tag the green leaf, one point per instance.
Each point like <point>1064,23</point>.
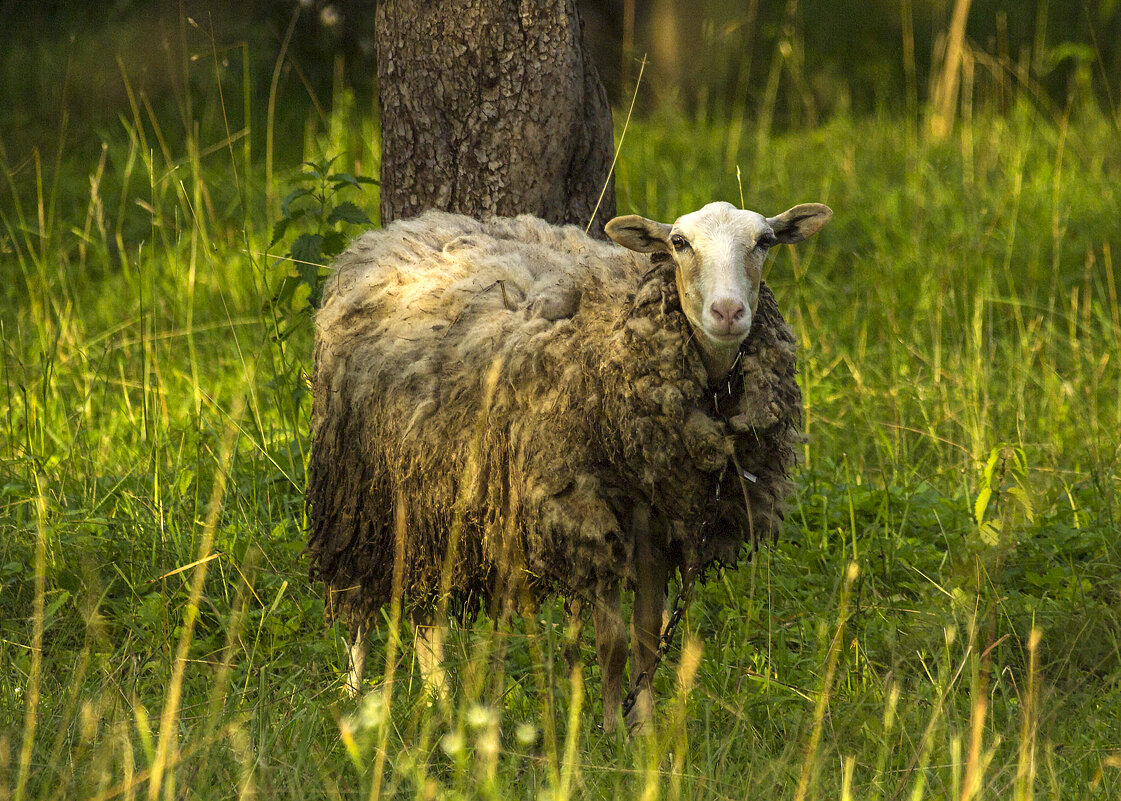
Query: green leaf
<point>295,194</point>
<point>319,168</point>
<point>344,178</point>
<point>1025,502</point>
<point>349,213</point>
<point>1077,52</point>
<point>315,297</point>
<point>52,608</point>
<point>309,274</point>
<point>307,249</point>
<point>990,534</point>
<point>279,230</point>
<point>286,289</point>
<point>334,242</point>
<point>982,504</point>
<point>990,466</point>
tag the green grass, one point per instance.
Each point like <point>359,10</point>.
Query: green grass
<point>959,323</point>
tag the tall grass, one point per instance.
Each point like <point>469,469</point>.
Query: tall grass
<point>942,617</point>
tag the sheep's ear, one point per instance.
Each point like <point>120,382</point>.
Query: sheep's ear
<point>802,221</point>
<point>638,233</point>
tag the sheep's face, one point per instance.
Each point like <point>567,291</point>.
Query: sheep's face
<point>719,253</point>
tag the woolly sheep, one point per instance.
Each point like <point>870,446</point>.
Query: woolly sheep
<point>507,410</point>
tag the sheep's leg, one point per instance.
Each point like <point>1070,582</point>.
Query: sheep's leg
<point>430,658</point>
<point>646,620</point>
<point>574,608</point>
<point>359,647</point>
<point>611,653</point>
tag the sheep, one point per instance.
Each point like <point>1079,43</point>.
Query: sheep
<point>506,410</point>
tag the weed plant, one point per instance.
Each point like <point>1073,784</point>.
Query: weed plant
<point>940,619</point>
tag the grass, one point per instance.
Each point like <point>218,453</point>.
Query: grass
<point>941,619</point>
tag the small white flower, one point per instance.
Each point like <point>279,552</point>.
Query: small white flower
<point>329,16</point>
<point>479,716</point>
<point>372,711</point>
<point>452,743</point>
<point>488,743</point>
<point>526,733</point>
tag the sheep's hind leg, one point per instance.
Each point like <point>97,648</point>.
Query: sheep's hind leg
<point>646,619</point>
<point>574,611</point>
<point>359,647</point>
<point>430,658</point>
<point>611,653</point>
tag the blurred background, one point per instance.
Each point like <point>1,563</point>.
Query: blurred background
<point>294,80</point>
<point>70,64</point>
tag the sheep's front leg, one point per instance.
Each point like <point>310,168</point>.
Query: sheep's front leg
<point>574,610</point>
<point>646,620</point>
<point>611,652</point>
<point>430,658</point>
<point>359,647</point>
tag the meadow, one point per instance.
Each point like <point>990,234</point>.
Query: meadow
<point>940,619</point>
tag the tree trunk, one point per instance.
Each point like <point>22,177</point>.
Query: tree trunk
<point>491,107</point>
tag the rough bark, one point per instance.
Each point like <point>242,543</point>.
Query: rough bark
<point>491,107</point>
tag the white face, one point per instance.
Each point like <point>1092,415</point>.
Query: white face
<point>719,252</point>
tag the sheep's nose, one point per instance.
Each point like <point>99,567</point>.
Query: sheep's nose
<point>728,311</point>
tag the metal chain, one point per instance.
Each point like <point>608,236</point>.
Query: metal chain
<point>680,602</point>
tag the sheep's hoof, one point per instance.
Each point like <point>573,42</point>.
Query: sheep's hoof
<point>640,728</point>
<point>641,714</point>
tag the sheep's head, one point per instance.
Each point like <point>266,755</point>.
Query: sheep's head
<point>719,253</point>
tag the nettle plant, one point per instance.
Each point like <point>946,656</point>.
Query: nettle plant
<point>315,209</point>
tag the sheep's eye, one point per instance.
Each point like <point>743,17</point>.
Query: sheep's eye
<point>679,242</point>
<point>765,241</point>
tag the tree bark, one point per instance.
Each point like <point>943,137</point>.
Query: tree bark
<point>491,108</point>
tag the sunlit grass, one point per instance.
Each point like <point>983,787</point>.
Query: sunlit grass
<point>942,617</point>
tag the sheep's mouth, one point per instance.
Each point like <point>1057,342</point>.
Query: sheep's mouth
<point>728,337</point>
